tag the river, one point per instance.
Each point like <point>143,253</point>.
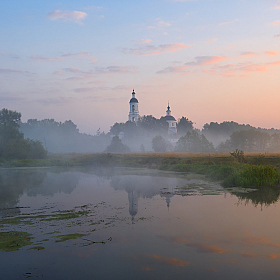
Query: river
<point>125,223</point>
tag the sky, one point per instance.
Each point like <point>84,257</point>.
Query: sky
<point>212,60</point>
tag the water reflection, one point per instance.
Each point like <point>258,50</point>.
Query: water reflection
<point>155,225</point>
<point>262,196</point>
<point>147,187</point>
<point>15,182</point>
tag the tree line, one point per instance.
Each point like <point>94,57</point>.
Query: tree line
<point>13,145</point>
<point>35,138</point>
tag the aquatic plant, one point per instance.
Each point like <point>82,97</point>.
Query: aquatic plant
<point>253,176</point>
<point>14,240</point>
<point>69,236</point>
<point>39,248</point>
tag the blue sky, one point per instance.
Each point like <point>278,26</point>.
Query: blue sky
<point>214,60</point>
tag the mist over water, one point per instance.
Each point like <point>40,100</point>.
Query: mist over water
<point>137,223</point>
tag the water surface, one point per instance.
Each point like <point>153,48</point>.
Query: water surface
<point>137,224</point>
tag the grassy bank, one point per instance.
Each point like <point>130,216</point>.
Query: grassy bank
<point>256,170</point>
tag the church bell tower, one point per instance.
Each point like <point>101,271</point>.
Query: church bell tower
<point>133,112</point>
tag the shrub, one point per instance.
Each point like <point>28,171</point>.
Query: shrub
<point>253,176</point>
<point>239,156</point>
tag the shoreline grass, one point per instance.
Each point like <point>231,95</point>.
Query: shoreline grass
<point>260,169</point>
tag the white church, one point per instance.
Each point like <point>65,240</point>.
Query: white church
<point>133,115</point>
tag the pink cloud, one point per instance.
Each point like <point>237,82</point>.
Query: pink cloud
<point>248,68</point>
<point>229,22</point>
<point>115,69</point>
<point>75,16</point>
<point>58,73</point>
<point>275,23</point>
<point>248,54</point>
<point>64,56</point>
<point>73,69</point>
<point>12,71</point>
<point>160,24</point>
<point>44,58</point>
<point>234,70</point>
<point>271,53</point>
<point>206,60</point>
<point>212,40</point>
<point>154,50</point>
<point>173,69</point>
<point>144,41</point>
<point>81,55</point>
<point>275,63</point>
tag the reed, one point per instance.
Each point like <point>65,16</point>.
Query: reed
<point>259,169</point>
<point>253,176</point>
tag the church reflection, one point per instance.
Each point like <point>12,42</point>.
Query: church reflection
<point>133,204</point>
<point>146,187</point>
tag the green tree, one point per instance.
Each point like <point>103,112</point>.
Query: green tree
<point>184,125</point>
<point>194,142</point>
<point>250,140</point>
<point>225,146</point>
<point>274,143</point>
<point>159,145</point>
<point>117,146</point>
<point>12,142</point>
<point>150,123</point>
<point>9,118</point>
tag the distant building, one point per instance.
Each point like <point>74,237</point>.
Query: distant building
<point>172,124</point>
<point>133,112</point>
<point>133,115</point>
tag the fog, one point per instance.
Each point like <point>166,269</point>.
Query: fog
<point>152,135</point>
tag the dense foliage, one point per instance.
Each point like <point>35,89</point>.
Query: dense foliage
<point>65,137</point>
<point>251,140</point>
<point>117,146</point>
<point>253,176</point>
<point>194,142</point>
<point>149,134</point>
<point>159,144</point>
<point>12,142</point>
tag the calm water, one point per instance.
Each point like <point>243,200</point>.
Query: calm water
<point>140,224</point>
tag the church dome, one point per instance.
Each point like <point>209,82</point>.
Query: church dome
<point>133,100</point>
<point>169,118</point>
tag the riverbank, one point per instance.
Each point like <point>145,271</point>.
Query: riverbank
<point>254,170</point>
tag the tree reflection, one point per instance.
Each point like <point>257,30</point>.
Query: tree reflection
<point>13,183</point>
<point>47,182</point>
<point>263,196</point>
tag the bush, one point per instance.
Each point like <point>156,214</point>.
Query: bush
<point>117,146</point>
<point>253,176</point>
<point>239,156</point>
